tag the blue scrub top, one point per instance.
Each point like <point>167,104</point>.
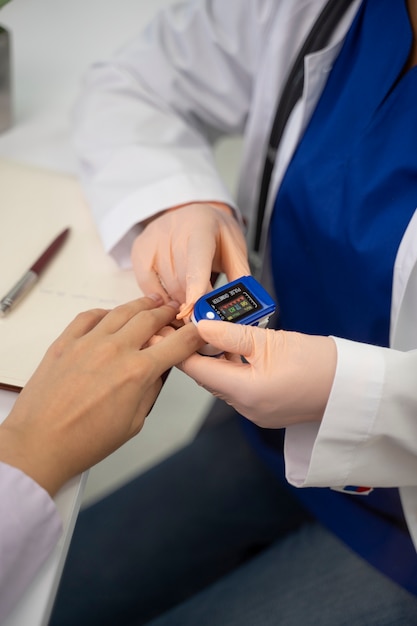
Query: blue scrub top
<point>339,217</point>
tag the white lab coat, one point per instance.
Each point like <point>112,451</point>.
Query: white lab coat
<point>143,129</point>
<point>30,527</point>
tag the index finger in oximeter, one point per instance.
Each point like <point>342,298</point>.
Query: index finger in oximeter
<point>242,301</point>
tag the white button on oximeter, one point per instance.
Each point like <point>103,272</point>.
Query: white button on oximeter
<point>243,301</point>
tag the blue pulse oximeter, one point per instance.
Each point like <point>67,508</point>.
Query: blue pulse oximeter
<point>243,301</point>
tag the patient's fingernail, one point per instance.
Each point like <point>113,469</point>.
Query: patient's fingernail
<point>174,304</point>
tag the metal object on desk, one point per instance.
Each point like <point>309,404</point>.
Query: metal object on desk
<point>32,275</point>
<point>6,113</point>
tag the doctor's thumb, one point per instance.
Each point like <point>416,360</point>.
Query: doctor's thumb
<point>228,337</point>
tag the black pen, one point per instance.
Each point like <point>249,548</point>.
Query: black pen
<point>30,277</point>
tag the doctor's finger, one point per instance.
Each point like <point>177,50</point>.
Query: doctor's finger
<point>149,282</point>
<point>221,377</point>
<point>228,337</point>
<point>143,262</point>
<point>234,254</point>
<point>198,268</point>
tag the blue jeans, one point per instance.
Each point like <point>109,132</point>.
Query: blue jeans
<point>208,537</point>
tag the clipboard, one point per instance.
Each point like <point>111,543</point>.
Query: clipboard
<point>36,205</point>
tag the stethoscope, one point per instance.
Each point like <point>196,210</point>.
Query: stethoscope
<point>317,39</point>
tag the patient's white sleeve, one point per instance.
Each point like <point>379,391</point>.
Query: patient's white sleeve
<point>30,527</point>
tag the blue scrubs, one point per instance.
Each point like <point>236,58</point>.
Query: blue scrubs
<point>339,217</point>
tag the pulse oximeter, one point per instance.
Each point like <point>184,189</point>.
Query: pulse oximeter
<point>242,301</point>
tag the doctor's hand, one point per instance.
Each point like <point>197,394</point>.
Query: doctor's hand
<point>92,390</point>
<point>286,380</point>
<point>178,250</point>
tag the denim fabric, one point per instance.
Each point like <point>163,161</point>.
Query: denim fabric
<point>308,578</point>
<point>209,537</point>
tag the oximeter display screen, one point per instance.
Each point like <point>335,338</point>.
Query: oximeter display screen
<point>233,303</point>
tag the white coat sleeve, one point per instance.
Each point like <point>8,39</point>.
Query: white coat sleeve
<point>29,529</point>
<point>368,435</point>
<point>145,121</point>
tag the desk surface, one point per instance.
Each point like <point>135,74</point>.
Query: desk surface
<point>53,43</point>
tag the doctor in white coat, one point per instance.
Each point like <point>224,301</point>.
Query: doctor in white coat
<point>145,123</point>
